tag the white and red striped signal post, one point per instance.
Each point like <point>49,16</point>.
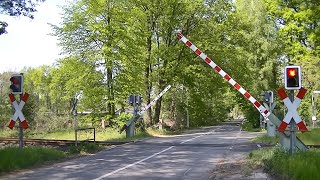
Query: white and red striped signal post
<point>263,111</point>
<point>18,112</point>
<point>17,88</point>
<point>292,110</point>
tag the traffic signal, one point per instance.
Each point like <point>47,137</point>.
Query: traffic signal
<point>138,99</point>
<point>268,97</point>
<point>16,83</point>
<point>135,99</point>
<point>131,99</point>
<point>292,77</point>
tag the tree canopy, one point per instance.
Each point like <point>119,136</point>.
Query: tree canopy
<point>17,8</point>
<point>116,48</point>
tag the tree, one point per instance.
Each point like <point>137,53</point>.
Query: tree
<point>17,8</point>
<point>298,31</point>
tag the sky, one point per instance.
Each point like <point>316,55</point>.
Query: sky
<point>28,43</point>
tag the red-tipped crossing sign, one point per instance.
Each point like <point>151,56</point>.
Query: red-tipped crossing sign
<point>18,112</point>
<point>292,110</point>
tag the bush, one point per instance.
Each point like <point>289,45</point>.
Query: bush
<point>122,119</point>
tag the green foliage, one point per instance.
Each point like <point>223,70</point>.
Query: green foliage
<point>6,109</point>
<point>12,158</point>
<point>17,8</point>
<point>122,119</point>
<point>116,48</point>
<point>298,33</point>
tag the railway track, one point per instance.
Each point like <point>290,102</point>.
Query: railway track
<point>50,142</point>
<point>4,141</point>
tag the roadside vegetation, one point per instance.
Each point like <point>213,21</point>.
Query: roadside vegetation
<point>281,165</point>
<point>267,140</point>
<point>107,134</point>
<point>311,137</point>
<point>13,158</point>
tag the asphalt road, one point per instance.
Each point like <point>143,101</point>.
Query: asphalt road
<point>188,156</point>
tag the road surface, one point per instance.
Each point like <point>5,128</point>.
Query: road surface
<point>188,156</point>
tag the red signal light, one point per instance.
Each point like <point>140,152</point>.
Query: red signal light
<point>292,77</point>
<point>292,72</point>
<point>14,80</point>
<point>16,83</point>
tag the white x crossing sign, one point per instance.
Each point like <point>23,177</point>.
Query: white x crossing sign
<point>18,112</point>
<point>292,110</point>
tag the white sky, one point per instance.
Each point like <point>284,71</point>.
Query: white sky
<point>28,43</point>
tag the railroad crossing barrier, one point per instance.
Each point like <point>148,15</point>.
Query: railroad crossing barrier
<point>129,126</point>
<point>263,111</point>
<point>271,128</point>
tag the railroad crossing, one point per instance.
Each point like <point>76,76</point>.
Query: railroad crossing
<point>292,82</point>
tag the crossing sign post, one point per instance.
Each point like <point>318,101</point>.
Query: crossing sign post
<point>292,78</point>
<point>17,88</point>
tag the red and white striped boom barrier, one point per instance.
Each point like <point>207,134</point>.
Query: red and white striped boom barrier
<point>139,114</point>
<point>155,99</point>
<point>18,112</point>
<point>149,105</point>
<point>265,113</point>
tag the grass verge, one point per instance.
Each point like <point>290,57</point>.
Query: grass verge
<point>266,140</point>
<point>107,134</point>
<point>12,158</point>
<point>311,137</point>
<point>281,165</point>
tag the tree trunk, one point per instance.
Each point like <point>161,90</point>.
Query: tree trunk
<point>157,111</point>
<point>110,104</point>
<point>148,69</point>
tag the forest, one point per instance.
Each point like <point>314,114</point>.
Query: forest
<point>116,48</point>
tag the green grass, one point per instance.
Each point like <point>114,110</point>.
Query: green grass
<point>266,140</point>
<point>57,135</point>
<point>107,134</point>
<point>311,137</point>
<point>279,163</point>
<point>84,148</point>
<point>8,133</point>
<point>13,158</point>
